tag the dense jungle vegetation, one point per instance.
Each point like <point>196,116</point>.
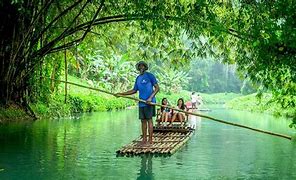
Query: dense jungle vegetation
<point>232,46</point>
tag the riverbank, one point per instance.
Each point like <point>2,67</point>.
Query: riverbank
<point>13,113</point>
<point>264,105</point>
<point>254,104</point>
<point>97,102</point>
<point>90,101</point>
<point>82,100</point>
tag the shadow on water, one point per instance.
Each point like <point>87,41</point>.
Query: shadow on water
<point>145,171</point>
<point>194,121</point>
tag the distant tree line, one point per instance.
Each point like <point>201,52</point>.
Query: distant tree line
<point>211,76</point>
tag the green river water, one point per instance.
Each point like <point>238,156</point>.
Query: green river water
<point>84,148</point>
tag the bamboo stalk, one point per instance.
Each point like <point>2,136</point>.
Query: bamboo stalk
<point>66,74</point>
<point>191,113</point>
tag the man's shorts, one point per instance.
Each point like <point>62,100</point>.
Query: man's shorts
<point>146,112</point>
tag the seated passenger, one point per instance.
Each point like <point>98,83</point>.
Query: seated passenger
<point>165,111</point>
<point>180,115</point>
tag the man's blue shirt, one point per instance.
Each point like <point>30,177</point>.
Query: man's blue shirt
<point>144,84</point>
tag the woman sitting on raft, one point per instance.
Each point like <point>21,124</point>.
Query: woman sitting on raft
<point>165,111</point>
<point>180,115</point>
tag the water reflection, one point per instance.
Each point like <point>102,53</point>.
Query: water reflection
<point>194,121</point>
<point>85,149</point>
<point>145,171</point>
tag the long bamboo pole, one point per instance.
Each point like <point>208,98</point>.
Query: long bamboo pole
<point>191,113</point>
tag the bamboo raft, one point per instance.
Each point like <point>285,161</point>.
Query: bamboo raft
<point>166,141</point>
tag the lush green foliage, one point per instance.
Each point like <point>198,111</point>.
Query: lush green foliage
<point>265,47</point>
<point>257,36</point>
<point>171,80</point>
<point>78,103</point>
<point>78,100</point>
<point>212,76</point>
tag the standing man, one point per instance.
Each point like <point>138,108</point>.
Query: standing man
<point>193,100</point>
<point>147,86</point>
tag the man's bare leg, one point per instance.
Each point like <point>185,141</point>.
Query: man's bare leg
<point>150,128</point>
<point>144,131</point>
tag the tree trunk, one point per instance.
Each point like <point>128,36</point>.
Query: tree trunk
<point>13,82</point>
<point>8,90</point>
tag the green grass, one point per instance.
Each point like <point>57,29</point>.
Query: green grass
<point>265,104</point>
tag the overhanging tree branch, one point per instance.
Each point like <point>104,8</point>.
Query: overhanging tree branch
<point>94,18</point>
<point>67,45</point>
<point>35,40</point>
<point>45,49</point>
<point>31,27</point>
<point>51,44</point>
